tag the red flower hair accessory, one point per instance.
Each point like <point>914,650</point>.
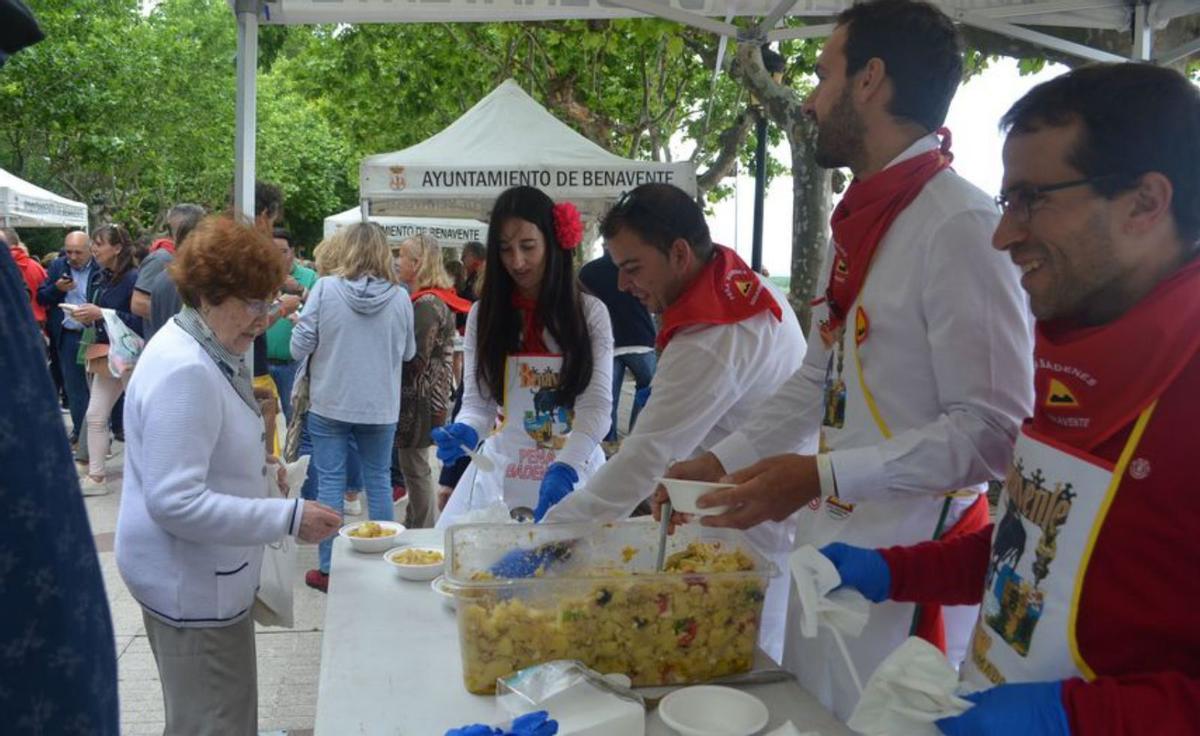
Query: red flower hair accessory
<point>568,226</point>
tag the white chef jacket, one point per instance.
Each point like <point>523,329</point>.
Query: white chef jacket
<point>948,358</point>
<point>710,380</point>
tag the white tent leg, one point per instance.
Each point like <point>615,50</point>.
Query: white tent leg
<point>365,207</point>
<point>247,112</point>
<point>1143,32</point>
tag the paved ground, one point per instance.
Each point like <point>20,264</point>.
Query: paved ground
<point>289,660</point>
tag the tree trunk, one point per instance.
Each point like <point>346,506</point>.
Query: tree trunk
<point>811,203</point>
<point>810,183</point>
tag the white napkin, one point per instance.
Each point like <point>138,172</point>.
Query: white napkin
<point>296,473</point>
<point>789,729</point>
<point>912,688</point>
<point>845,610</point>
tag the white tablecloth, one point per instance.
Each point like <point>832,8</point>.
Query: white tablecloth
<point>390,663</point>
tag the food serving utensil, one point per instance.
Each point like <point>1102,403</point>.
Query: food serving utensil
<point>480,461</point>
<point>663,525</point>
<point>521,514</point>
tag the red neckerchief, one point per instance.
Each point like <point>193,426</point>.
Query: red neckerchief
<point>531,334</point>
<point>725,292</point>
<point>163,244</point>
<point>452,300</point>
<point>1090,382</point>
<point>864,216</point>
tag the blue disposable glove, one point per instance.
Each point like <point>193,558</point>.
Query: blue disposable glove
<point>524,563</point>
<point>1025,708</point>
<point>559,480</point>
<point>865,570</point>
<point>450,440</point>
<point>537,723</point>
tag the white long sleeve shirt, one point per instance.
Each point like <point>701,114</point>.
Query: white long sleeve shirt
<point>710,380</point>
<point>947,357</point>
<point>593,407</point>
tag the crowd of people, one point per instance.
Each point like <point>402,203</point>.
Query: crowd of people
<point>924,377</point>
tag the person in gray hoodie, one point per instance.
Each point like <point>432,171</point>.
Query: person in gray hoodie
<point>358,327</point>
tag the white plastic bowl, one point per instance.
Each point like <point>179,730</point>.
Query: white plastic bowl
<point>712,710</point>
<point>373,545</point>
<point>684,493</point>
<point>415,572</point>
<point>439,586</point>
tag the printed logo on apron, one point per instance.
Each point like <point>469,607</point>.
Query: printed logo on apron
<point>1052,507</point>
<point>531,397</point>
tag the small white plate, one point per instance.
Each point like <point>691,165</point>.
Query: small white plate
<point>438,585</point>
<point>712,710</point>
<point>684,493</point>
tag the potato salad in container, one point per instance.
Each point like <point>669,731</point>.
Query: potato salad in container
<point>533,593</point>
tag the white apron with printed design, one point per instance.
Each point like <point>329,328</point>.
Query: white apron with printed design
<point>818,663</point>
<point>1050,512</point>
<point>533,429</point>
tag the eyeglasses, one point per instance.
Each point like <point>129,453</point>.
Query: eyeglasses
<point>1022,201</point>
<point>257,307</point>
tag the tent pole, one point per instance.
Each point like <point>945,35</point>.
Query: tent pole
<point>364,206</point>
<point>246,111</point>
<point>1143,32</point>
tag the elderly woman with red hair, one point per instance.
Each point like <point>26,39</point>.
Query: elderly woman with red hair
<point>195,515</point>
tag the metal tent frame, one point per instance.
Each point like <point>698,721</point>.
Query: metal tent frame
<point>1019,19</point>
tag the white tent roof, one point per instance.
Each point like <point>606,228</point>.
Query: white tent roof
<point>1113,14</point>
<point>505,140</point>
<point>449,232</point>
<point>25,205</point>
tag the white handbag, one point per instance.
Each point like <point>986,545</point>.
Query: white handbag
<point>273,600</point>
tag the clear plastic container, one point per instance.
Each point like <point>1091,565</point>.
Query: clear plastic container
<point>599,599</point>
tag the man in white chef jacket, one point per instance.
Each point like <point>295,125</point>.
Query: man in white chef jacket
<point>921,374</point>
<point>729,340</point>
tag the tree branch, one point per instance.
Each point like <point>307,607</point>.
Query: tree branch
<point>729,143</point>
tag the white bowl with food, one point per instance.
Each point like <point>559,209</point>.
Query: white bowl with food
<point>416,562</point>
<point>712,710</point>
<point>684,494</point>
<point>372,537</point>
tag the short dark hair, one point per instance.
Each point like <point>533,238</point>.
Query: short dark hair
<point>475,249</point>
<point>660,214</point>
<point>182,219</point>
<point>1135,118</point>
<point>267,198</point>
<point>920,49</point>
<point>281,233</point>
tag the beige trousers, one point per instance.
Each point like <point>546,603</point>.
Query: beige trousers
<point>209,677</point>
<point>421,486</point>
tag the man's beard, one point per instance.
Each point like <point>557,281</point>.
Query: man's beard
<point>840,136</point>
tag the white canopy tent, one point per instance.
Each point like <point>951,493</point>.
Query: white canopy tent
<point>25,205</point>
<point>506,139</point>
<point>1027,20</point>
<point>449,232</point>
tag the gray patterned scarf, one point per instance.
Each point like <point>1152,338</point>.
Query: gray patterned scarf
<point>233,367</point>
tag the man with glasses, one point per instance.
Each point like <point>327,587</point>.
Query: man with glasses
<point>728,339</point>
<point>1088,581</point>
<point>921,376</point>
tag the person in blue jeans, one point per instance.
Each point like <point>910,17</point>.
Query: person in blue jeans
<point>354,476</point>
<point>633,335</point>
<point>358,327</point>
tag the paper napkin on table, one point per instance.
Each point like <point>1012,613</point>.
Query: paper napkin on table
<point>912,688</point>
<point>789,729</point>
<point>820,605</point>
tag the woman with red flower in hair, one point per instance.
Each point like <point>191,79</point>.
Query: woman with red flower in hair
<point>538,365</point>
